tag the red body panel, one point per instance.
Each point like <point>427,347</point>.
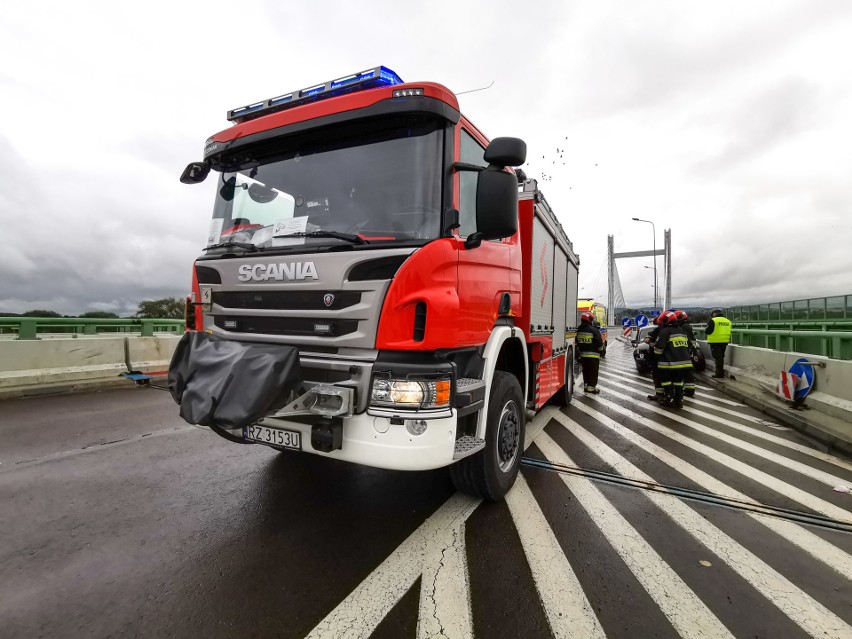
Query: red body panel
<point>330,106</point>
<point>429,276</point>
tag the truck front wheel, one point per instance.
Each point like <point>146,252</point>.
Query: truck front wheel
<point>491,472</point>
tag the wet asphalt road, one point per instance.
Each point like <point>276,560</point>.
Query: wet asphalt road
<point>118,519</point>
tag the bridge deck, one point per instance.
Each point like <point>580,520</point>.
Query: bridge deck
<point>627,520</point>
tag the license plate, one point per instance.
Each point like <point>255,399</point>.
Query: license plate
<point>275,436</point>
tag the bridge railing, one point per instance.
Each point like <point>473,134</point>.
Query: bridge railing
<point>837,307</point>
<point>829,339</point>
<point>31,327</point>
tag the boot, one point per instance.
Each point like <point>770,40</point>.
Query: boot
<point>678,397</point>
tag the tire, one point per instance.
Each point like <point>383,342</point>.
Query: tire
<point>490,473</point>
<point>564,395</point>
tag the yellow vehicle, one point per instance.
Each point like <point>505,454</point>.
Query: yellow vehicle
<point>599,311</point>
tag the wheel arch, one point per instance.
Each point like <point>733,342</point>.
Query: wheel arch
<point>505,350</point>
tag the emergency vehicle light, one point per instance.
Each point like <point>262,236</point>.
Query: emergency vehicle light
<point>369,79</point>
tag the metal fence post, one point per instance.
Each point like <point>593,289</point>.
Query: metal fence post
<point>27,328</point>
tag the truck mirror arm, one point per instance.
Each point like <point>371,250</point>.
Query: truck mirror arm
<point>465,166</point>
<point>473,240</point>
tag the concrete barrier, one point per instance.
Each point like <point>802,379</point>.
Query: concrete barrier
<point>63,363</point>
<point>756,372</point>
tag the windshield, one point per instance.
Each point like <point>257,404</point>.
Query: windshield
<point>361,184</point>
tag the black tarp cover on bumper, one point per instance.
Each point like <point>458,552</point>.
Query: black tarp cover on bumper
<point>227,384</point>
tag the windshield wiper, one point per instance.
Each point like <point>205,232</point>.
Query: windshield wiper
<point>348,237</point>
<point>248,246</point>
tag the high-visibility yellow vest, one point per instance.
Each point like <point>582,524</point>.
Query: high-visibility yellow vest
<point>721,331</point>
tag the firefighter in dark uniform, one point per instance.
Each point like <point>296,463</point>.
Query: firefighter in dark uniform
<point>689,374</point>
<point>650,338</point>
<point>718,336</point>
<point>672,351</point>
<point>589,347</point>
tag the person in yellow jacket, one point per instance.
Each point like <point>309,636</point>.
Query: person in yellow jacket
<point>718,336</point>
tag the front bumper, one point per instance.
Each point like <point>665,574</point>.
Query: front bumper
<point>375,441</point>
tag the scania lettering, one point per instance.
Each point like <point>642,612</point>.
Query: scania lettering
<point>381,285</point>
<point>291,271</point>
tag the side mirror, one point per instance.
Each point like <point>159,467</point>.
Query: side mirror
<point>506,152</point>
<point>496,204</point>
<point>195,173</point>
<point>497,190</point>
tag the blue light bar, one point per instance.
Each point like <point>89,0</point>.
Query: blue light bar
<point>369,79</point>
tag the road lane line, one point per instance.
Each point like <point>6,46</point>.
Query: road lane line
<point>797,535</point>
<point>803,609</point>
<point>368,604</point>
<point>649,382</point>
<point>568,610</point>
<point>803,469</point>
<point>681,606</point>
<point>782,488</point>
<point>445,609</point>
<point>364,608</point>
<point>749,430</point>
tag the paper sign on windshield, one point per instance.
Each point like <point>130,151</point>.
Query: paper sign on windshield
<point>287,227</point>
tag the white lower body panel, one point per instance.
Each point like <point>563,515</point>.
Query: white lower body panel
<point>374,441</point>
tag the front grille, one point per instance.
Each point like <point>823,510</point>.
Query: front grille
<point>285,325</point>
<point>287,300</point>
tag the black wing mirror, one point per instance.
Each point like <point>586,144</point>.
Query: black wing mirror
<point>195,173</point>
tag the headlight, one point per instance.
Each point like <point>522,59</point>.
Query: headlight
<point>407,394</point>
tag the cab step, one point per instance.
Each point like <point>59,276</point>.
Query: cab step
<point>467,445</point>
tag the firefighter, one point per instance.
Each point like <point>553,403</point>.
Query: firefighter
<point>689,374</point>
<point>589,347</point>
<point>718,336</point>
<point>655,375</point>
<point>672,351</point>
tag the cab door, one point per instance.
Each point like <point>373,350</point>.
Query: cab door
<point>489,270</point>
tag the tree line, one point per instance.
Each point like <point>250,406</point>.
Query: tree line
<point>164,308</point>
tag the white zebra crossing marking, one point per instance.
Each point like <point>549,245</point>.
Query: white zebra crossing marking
<point>569,612</point>
<point>681,606</point>
<point>363,609</point>
<point>805,611</point>
<point>816,454</point>
<point>799,536</point>
<point>802,497</point>
<point>814,473</point>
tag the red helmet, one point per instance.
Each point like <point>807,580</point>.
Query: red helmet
<point>587,317</point>
<point>667,318</point>
<point>681,316</point>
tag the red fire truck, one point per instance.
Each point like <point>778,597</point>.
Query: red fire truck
<point>379,285</point>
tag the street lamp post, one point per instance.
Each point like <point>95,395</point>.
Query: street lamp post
<point>654,231</point>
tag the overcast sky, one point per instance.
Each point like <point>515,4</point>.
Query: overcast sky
<point>728,122</point>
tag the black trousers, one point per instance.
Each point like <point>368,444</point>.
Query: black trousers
<point>672,381</point>
<point>590,370</point>
<point>718,352</point>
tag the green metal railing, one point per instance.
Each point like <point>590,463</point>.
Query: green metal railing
<point>30,327</point>
<point>812,338</point>
<point>837,307</point>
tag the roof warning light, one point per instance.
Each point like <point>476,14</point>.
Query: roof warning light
<point>369,79</point>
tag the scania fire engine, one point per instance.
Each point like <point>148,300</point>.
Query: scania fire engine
<point>380,285</point>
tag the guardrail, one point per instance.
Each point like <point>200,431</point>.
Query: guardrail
<point>836,307</point>
<point>834,344</point>
<point>30,327</point>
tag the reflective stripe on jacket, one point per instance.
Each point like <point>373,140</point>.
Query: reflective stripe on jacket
<point>672,348</point>
<point>589,341</point>
<point>719,330</point>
